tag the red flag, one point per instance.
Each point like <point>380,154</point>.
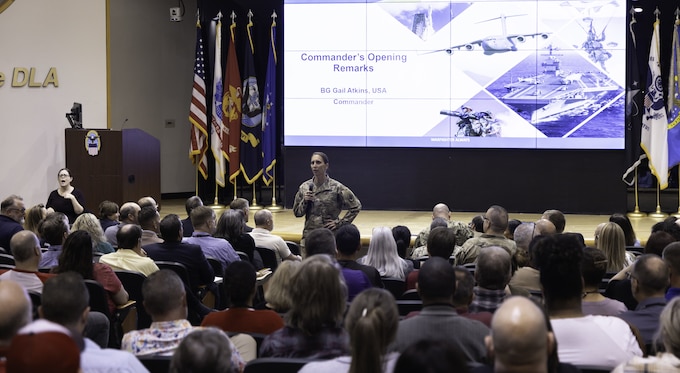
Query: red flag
<point>231,105</point>
<point>197,110</point>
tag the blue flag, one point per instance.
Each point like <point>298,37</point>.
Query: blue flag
<point>269,115</point>
<point>674,101</point>
<point>251,119</point>
<point>633,106</point>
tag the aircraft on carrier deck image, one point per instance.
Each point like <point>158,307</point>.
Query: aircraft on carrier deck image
<point>496,43</point>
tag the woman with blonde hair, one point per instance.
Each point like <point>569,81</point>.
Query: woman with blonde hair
<point>382,255</point>
<point>612,241</point>
<point>34,216</point>
<point>371,322</point>
<point>313,325</point>
<point>277,294</point>
<point>89,223</point>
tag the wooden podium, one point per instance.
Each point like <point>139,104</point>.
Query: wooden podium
<point>126,166</point>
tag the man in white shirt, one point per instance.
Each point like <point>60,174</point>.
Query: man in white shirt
<point>264,224</point>
<point>27,255</point>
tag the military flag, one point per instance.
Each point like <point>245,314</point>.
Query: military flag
<point>633,106</point>
<point>217,125</point>
<point>197,110</point>
<point>269,113</point>
<point>251,119</point>
<point>231,105</point>
<point>654,133</point>
<point>674,99</point>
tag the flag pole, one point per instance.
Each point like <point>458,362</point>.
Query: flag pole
<point>274,206</point>
<point>234,189</point>
<point>254,205</point>
<point>658,213</point>
<point>216,202</point>
<point>637,213</point>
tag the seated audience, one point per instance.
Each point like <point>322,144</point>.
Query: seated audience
<point>203,220</point>
<point>149,220</point>
<point>440,243</point>
<point>520,340</point>
<point>204,351</point>
<point>460,229</point>
<point>493,272</point>
<point>649,281</point>
<point>27,254</point>
<point>12,213</point>
<point>34,217</point>
<point>527,276</point>
<point>148,201</point>
<point>421,251</point>
<point>657,241</point>
<point>438,318</point>
<point>165,301</point>
<point>263,237</point>
<point>14,314</point>
<point>612,241</point>
<point>54,231</point>
<point>477,225</point>
<point>382,255</point>
<point>322,241</point>
<point>191,203</point>
<point>65,308</point>
<point>109,213</point>
<point>512,225</point>
<point>277,296</point>
<point>669,334</point>
<point>402,236</point>
<point>313,324</point>
<point>130,256</point>
<point>432,356</point>
<point>495,224</point>
<point>545,227</point>
<point>585,340</point>
<point>371,322</point>
<point>593,268</point>
<point>240,287</point>
<point>231,227</point>
<point>629,233</point>
<point>348,242</point>
<point>90,224</point>
<point>77,256</point>
<point>671,255</point>
<point>243,205</point>
<point>464,295</point>
<point>129,214</point>
<point>557,218</point>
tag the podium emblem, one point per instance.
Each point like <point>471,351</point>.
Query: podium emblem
<point>92,143</point>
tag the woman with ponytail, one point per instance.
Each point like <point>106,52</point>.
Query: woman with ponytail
<point>371,322</point>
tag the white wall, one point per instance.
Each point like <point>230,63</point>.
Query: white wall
<point>70,36</point>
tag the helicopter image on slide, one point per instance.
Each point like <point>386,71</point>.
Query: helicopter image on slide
<point>496,43</point>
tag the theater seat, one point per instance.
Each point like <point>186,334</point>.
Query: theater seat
<point>276,364</point>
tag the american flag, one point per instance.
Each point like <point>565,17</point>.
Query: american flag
<point>197,110</point>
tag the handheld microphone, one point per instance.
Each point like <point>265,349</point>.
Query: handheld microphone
<point>123,125</point>
<point>309,203</point>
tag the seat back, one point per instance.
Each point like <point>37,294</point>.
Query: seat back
<point>268,258</point>
<point>243,256</point>
<point>293,247</point>
<point>156,363</point>
<point>407,306</point>
<point>179,268</point>
<point>7,259</point>
<point>132,282</point>
<point>216,265</point>
<point>410,295</point>
<point>36,300</point>
<point>98,298</point>
<point>395,286</point>
<point>276,364</point>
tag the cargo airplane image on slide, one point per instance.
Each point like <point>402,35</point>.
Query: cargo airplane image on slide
<point>496,43</point>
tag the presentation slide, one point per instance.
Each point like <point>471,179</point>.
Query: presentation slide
<point>481,74</point>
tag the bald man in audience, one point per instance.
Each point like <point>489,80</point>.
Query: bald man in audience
<point>649,280</point>
<point>519,339</point>
<point>129,214</point>
<point>130,256</point>
<point>557,218</point>
<point>263,237</point>
<point>495,224</point>
<point>545,227</point>
<point>15,313</point>
<point>461,229</point>
<point>671,255</point>
<point>147,201</point>
<point>26,248</point>
<point>494,268</point>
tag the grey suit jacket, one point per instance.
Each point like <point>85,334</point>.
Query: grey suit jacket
<point>442,322</point>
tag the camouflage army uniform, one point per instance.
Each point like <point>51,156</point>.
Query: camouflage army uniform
<point>463,233</point>
<point>330,199</point>
<point>470,250</point>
